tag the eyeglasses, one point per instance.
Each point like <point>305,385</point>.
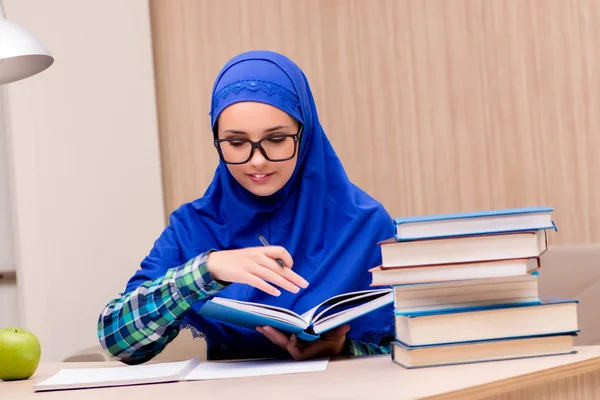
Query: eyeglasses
<point>275,148</point>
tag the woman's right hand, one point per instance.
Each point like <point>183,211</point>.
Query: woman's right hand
<point>256,266</point>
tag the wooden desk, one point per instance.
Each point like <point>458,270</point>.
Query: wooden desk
<point>574,376</point>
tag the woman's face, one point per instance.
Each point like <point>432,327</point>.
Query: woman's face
<point>254,121</point>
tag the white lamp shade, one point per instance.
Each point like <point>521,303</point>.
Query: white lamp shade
<point>21,54</point>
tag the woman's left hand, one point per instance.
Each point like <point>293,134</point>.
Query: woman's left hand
<point>330,343</point>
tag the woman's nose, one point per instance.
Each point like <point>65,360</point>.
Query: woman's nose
<point>257,159</point>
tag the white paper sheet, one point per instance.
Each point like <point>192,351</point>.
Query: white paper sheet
<point>238,369</point>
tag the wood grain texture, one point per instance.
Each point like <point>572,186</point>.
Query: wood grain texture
<point>433,106</point>
<point>355,378</point>
<point>579,387</point>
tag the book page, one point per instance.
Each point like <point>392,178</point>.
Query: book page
<point>338,299</point>
<point>239,369</point>
<point>337,319</point>
<point>349,303</point>
<point>116,376</point>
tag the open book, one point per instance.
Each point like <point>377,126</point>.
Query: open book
<point>190,370</point>
<point>330,314</point>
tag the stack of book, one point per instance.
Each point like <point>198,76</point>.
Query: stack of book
<point>465,289</point>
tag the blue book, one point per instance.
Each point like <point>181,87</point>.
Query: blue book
<point>551,315</point>
<point>308,326</point>
<point>501,349</point>
<point>473,223</point>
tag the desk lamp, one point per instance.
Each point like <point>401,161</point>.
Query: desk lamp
<point>21,54</point>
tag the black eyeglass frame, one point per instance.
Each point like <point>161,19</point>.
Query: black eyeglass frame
<point>258,145</point>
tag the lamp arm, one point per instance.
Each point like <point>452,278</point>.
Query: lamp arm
<point>2,13</point>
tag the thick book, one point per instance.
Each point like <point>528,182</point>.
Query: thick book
<point>474,223</point>
<point>190,370</point>
<point>481,351</point>
<point>308,326</point>
<point>413,298</point>
<point>551,315</point>
<point>463,249</point>
<point>452,272</point>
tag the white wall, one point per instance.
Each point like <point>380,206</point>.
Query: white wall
<point>9,313</point>
<point>85,165</point>
<point>6,231</point>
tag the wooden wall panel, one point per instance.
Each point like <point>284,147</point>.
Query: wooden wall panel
<point>433,106</point>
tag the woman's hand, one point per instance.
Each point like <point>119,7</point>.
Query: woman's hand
<point>330,343</point>
<point>256,266</point>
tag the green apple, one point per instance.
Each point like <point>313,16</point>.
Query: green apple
<point>20,353</point>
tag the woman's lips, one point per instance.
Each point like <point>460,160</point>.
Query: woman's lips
<point>260,178</point>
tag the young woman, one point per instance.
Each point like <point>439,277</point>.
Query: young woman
<point>278,176</point>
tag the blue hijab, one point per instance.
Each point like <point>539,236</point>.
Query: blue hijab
<point>329,226</point>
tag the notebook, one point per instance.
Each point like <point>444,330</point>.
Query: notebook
<point>190,370</point>
<point>469,223</point>
<point>75,378</point>
<point>325,316</point>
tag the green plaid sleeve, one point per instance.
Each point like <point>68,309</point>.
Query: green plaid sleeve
<point>138,325</point>
<point>357,348</point>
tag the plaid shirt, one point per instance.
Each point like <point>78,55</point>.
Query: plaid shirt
<point>138,325</point>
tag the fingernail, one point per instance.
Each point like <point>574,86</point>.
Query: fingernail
<point>276,293</point>
<point>304,284</point>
